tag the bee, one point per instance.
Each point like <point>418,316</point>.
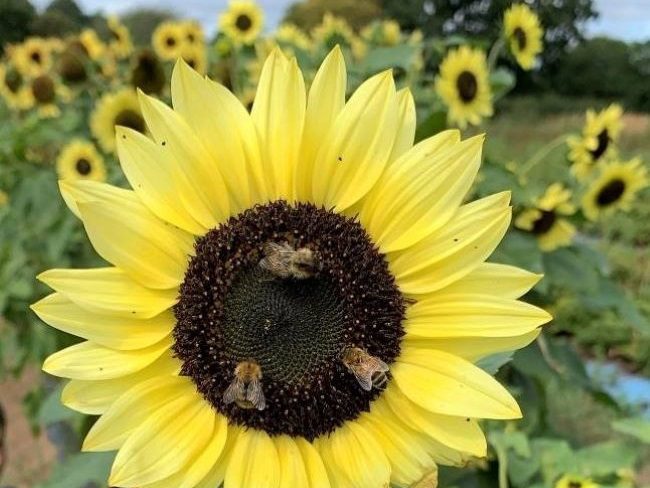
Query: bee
<point>284,261</point>
<point>368,370</point>
<point>246,387</point>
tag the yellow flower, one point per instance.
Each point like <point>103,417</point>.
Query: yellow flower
<point>120,41</point>
<point>290,34</point>
<point>523,33</point>
<point>32,57</point>
<point>147,72</point>
<point>4,198</point>
<point>598,141</point>
<point>193,32</point>
<point>14,88</point>
<point>333,31</point>
<point>242,22</point>
<point>387,33</point>
<point>464,86</point>
<point>93,45</point>
<point>545,220</point>
<point>113,109</point>
<point>48,94</point>
<point>244,330</point>
<point>614,188</point>
<point>79,160</point>
<point>573,481</point>
<point>195,56</point>
<point>168,40</point>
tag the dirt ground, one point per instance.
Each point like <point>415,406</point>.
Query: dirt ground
<point>27,458</point>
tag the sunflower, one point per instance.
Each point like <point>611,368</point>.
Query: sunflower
<point>294,36</point>
<point>14,88</point>
<point>523,33</point>
<point>195,56</point>
<point>168,40</point>
<point>614,188</point>
<point>545,220</point>
<point>113,109</point>
<point>387,32</point>
<point>573,481</point>
<point>251,330</point>
<point>72,64</point>
<point>120,38</point>
<point>48,93</point>
<point>79,160</point>
<point>598,141</point>
<point>464,86</point>
<point>33,57</point>
<point>243,21</point>
<point>192,32</point>
<point>333,31</point>
<point>92,44</point>
<point>147,72</point>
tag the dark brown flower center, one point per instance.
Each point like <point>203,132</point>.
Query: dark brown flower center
<point>83,167</point>
<point>544,223</point>
<point>467,86</point>
<point>610,193</point>
<point>148,73</point>
<point>170,41</point>
<point>13,80</point>
<point>575,484</point>
<point>72,65</point>
<point>603,144</point>
<point>131,119</point>
<point>243,22</point>
<point>520,37</point>
<point>43,89</point>
<point>36,57</point>
<point>292,323</point>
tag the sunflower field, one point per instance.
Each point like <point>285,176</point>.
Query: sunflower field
<point>339,253</point>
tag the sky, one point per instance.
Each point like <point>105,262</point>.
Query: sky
<point>622,19</point>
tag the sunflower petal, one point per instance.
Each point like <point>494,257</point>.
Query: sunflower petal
<point>253,444</point>
<point>88,361</point>
<point>109,331</point>
<point>447,384</point>
<point>316,472</point>
<point>356,153</point>
<point>279,115</point>
<point>108,291</point>
<point>407,122</point>
<point>325,102</point>
<point>292,467</point>
<point>217,474</point>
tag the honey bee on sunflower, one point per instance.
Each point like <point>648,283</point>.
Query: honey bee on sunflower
<point>242,22</point>
<point>614,188</point>
<point>249,331</point>
<point>463,85</point>
<point>545,219</point>
<point>120,108</point>
<point>80,160</point>
<point>523,34</point>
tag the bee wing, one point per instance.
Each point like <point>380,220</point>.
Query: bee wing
<point>363,376</point>
<point>235,391</point>
<point>255,395</point>
<point>376,365</point>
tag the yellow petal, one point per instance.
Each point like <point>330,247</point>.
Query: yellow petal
<point>217,474</point>
<point>292,467</point>
<point>406,125</point>
<point>164,444</point>
<point>156,179</point>
<point>88,361</point>
<point>109,291</point>
<point>254,462</point>
<point>447,384</point>
<point>495,279</point>
<point>458,248</point>
<point>279,115</point>
<point>95,397</point>
<point>353,458</point>
<point>464,315</point>
<point>215,115</point>
<point>353,157</point>
<point>417,196</point>
<point>209,200</point>
<point>460,433</point>
<point>316,472</point>
<point>127,234</point>
<point>106,330</point>
<point>325,102</point>
<point>135,406</point>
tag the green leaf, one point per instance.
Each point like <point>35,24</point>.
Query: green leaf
<point>606,458</point>
<point>80,469</point>
<point>382,58</point>
<point>434,123</point>
<point>638,427</point>
<point>493,363</point>
<point>502,81</point>
<point>52,410</point>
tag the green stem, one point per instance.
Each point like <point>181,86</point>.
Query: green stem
<point>502,456</point>
<point>539,156</point>
<point>495,50</point>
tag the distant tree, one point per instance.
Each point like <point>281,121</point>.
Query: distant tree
<point>16,17</point>
<point>53,24</point>
<point>70,9</point>
<point>143,21</point>
<point>307,14</point>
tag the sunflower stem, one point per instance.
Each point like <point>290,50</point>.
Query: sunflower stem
<point>548,357</point>
<point>539,156</point>
<point>495,51</point>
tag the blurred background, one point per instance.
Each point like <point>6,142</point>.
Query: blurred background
<point>555,129</point>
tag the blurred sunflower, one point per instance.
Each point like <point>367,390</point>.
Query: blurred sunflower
<point>192,32</point>
<point>600,135</point>
<point>48,93</point>
<point>614,188</point>
<point>333,31</point>
<point>386,32</point>
<point>92,44</point>
<point>243,21</point>
<point>147,72</point>
<point>195,56</point>
<point>573,481</point>
<point>294,36</point>
<point>545,221</point>
<point>464,86</point>
<point>113,109</point>
<point>523,33</point>
<point>79,160</point>
<point>4,198</point>
<point>14,89</point>
<point>72,64</point>
<point>168,40</point>
<point>32,57</point>
<point>120,38</point>
<point>237,220</point>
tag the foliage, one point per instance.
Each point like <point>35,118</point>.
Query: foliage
<point>16,17</point>
<point>141,22</point>
<point>309,13</point>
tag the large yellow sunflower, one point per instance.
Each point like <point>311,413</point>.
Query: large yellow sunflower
<point>597,142</point>
<point>544,220</point>
<point>464,86</point>
<point>250,329</point>
<point>119,108</point>
<point>14,88</point>
<point>93,45</point>
<point>614,188</point>
<point>168,39</point>
<point>120,38</point>
<point>523,33</point>
<point>79,160</point>
<point>243,21</point>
